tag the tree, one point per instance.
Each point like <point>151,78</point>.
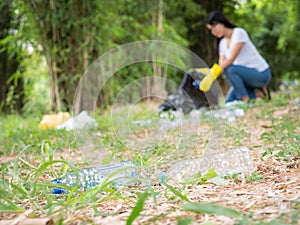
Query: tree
<point>68,33</point>
<point>274,29</point>
<point>74,33</point>
<point>200,40</point>
<point>11,84</point>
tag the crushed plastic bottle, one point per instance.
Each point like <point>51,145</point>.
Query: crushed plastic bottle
<point>121,173</point>
<point>231,161</point>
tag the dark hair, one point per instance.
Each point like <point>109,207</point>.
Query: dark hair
<point>216,16</point>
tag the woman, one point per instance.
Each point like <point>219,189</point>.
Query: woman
<point>245,69</point>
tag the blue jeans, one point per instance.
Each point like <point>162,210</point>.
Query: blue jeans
<point>243,81</point>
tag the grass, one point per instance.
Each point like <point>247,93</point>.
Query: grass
<point>31,158</point>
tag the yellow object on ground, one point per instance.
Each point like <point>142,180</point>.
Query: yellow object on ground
<point>51,121</point>
<point>210,77</point>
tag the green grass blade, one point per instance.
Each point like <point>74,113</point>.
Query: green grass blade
<point>185,221</point>
<point>44,166</point>
<point>10,207</point>
<point>138,208</point>
<point>20,189</point>
<point>176,192</point>
<point>209,208</point>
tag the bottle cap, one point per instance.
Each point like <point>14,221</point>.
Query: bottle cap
<point>58,191</point>
<point>162,176</point>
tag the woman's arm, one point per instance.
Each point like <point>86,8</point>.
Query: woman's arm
<point>223,62</point>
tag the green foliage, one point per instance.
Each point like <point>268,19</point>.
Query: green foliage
<point>36,86</point>
<point>209,208</point>
<point>285,137</point>
<point>11,56</point>
<point>138,208</point>
<point>255,177</point>
<point>176,192</point>
<point>23,132</point>
<point>72,34</point>
<point>202,178</point>
<point>69,50</point>
<point>7,205</point>
<point>284,133</point>
<point>276,35</point>
<point>185,221</point>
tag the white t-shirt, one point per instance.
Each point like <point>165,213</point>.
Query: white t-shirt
<point>248,55</point>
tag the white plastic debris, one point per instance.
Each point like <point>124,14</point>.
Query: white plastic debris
<point>236,103</point>
<point>80,121</point>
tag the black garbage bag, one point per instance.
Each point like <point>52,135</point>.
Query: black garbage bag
<point>187,97</point>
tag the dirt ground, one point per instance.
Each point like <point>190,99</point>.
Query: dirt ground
<point>276,193</point>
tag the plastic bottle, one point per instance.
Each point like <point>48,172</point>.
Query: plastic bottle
<point>297,102</point>
<point>231,161</point>
<point>121,173</point>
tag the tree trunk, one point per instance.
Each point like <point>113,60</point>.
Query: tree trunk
<point>158,88</point>
<point>205,45</point>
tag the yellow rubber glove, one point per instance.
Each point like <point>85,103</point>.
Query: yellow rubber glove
<point>210,77</point>
<point>202,70</point>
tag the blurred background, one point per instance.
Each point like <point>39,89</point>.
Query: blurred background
<point>46,45</point>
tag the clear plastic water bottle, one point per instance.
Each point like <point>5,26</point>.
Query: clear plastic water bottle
<point>231,161</point>
<point>120,174</point>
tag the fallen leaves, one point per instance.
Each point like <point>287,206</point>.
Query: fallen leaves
<point>23,219</point>
<point>276,193</point>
